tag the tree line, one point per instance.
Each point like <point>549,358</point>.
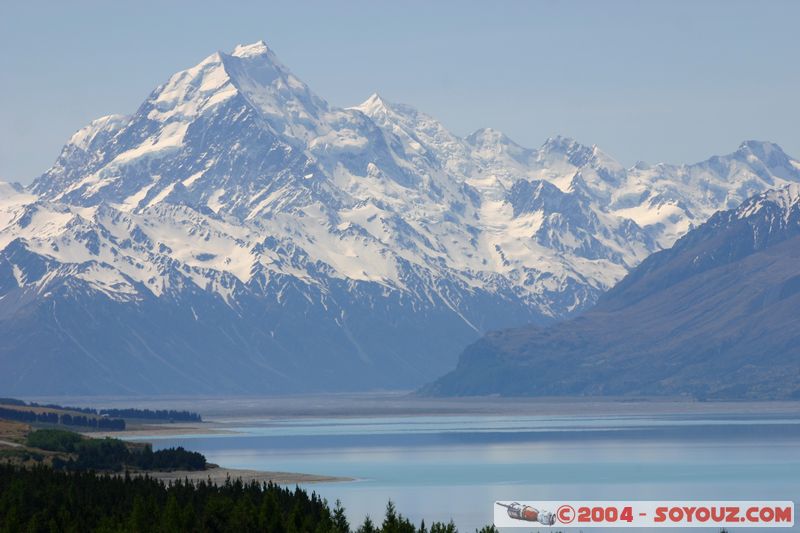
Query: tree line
<point>111,454</point>
<point>43,499</point>
<point>153,414</point>
<point>113,424</point>
<point>128,412</point>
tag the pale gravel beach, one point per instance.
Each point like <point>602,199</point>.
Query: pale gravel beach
<point>219,475</point>
<point>204,428</point>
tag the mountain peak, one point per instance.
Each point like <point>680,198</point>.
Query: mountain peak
<point>759,146</point>
<point>255,72</point>
<point>378,108</point>
<point>488,135</point>
<point>373,105</point>
<point>258,48</point>
<point>766,151</point>
<point>255,60</point>
<point>561,144</point>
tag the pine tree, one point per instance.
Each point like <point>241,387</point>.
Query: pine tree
<point>367,527</point>
<point>340,522</point>
<point>390,520</point>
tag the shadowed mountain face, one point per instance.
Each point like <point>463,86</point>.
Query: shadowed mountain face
<point>237,233</point>
<point>715,316</point>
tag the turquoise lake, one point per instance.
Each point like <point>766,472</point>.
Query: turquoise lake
<point>455,467</point>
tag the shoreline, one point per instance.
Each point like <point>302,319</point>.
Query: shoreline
<point>142,432</point>
<point>219,474</point>
<point>214,473</point>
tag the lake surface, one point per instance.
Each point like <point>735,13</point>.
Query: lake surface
<point>455,467</point>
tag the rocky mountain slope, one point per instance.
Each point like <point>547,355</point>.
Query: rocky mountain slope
<point>238,233</point>
<point>715,316</point>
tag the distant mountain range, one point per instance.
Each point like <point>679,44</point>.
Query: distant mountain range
<point>239,234</point>
<point>715,316</point>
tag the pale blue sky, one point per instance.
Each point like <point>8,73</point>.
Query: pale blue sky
<point>658,81</point>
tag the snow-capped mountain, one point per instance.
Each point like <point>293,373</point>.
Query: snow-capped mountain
<point>715,316</point>
<point>245,234</point>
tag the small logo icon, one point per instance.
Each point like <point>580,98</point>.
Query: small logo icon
<point>527,513</point>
